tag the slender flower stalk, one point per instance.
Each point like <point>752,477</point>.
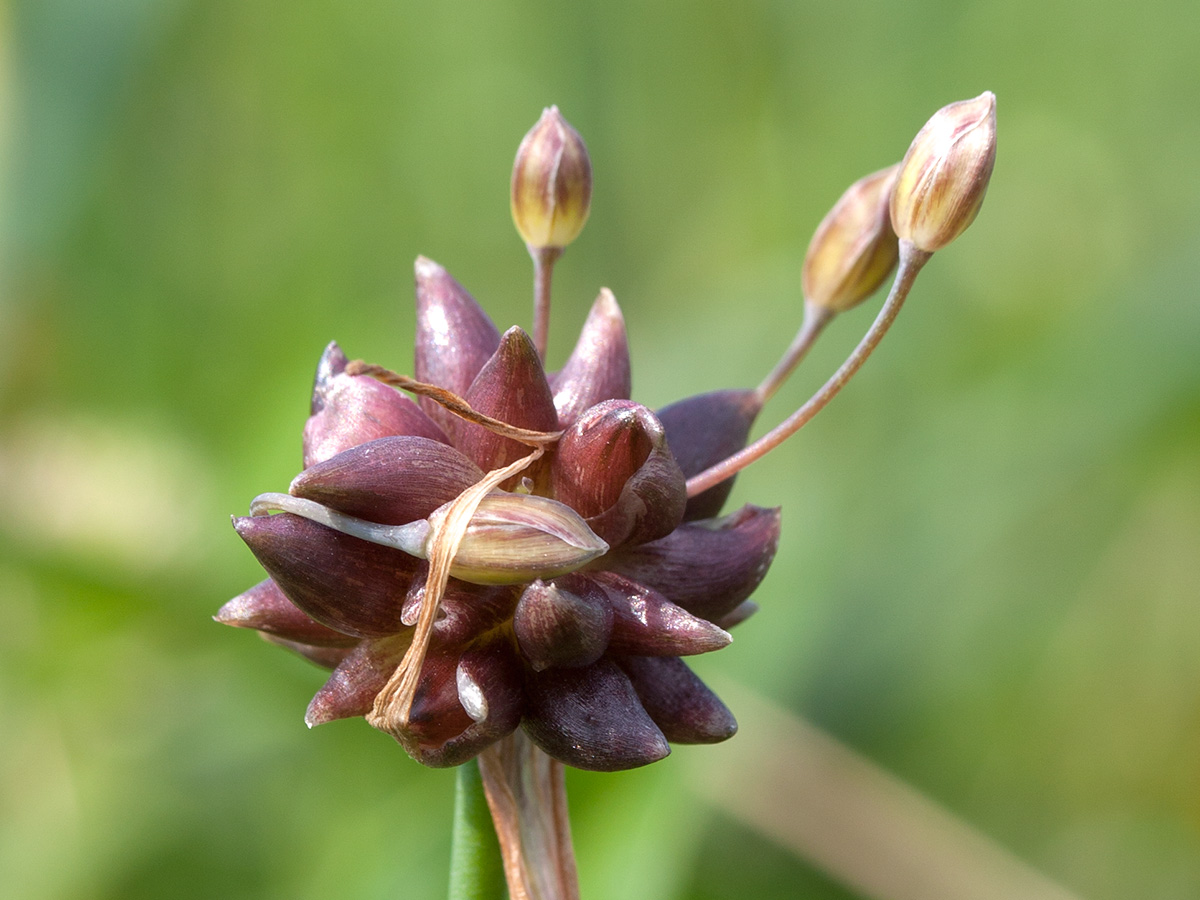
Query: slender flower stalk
<point>551,199</point>
<point>543,271</point>
<point>814,322</point>
<point>911,262</point>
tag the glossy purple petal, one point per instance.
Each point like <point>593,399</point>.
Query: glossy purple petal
<point>702,431</point>
<point>454,337</point>
<point>265,608</point>
<point>591,718</point>
<point>648,624</point>
<point>352,586</point>
<point>351,410</point>
<point>325,657</point>
<point>598,368</point>
<point>680,704</point>
<point>391,480</point>
<point>613,468</point>
<point>351,689</point>
<point>565,622</point>
<point>707,567</point>
<point>510,387</point>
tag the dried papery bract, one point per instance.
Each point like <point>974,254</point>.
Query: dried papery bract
<point>945,174</point>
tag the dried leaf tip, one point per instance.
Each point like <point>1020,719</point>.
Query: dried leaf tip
<point>945,174</point>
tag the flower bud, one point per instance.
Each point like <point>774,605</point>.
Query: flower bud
<point>854,248</point>
<point>945,174</point>
<point>551,183</point>
<point>515,538</point>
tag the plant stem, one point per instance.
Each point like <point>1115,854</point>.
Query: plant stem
<point>476,868</point>
<point>911,261</point>
<point>815,320</point>
<point>543,267</point>
<point>527,794</point>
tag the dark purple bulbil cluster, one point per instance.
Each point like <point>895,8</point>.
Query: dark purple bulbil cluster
<point>587,663</point>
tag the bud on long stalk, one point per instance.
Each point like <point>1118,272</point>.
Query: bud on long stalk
<point>551,183</point>
<point>945,174</point>
<point>854,248</point>
<point>551,198</point>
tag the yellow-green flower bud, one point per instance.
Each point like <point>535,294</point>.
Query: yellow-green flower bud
<point>517,538</point>
<point>854,248</point>
<point>945,173</point>
<point>551,183</point>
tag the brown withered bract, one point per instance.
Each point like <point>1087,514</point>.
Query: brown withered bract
<point>587,662</point>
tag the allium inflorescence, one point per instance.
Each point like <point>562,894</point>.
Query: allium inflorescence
<point>586,659</point>
<point>533,550</point>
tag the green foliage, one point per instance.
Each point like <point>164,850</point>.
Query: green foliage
<point>988,576</point>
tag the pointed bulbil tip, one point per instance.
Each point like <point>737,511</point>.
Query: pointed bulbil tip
<point>681,705</point>
<point>332,363</point>
<point>740,614</point>
<point>646,623</point>
<point>425,269</point>
<point>511,386</point>
<point>598,368</point>
<point>455,337</point>
<point>265,608</point>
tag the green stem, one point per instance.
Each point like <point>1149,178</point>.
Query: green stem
<point>476,869</point>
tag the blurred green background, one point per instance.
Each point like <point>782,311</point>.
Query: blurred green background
<point>989,578</point>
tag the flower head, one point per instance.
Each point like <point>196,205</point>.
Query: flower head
<point>579,582</point>
<point>518,549</point>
